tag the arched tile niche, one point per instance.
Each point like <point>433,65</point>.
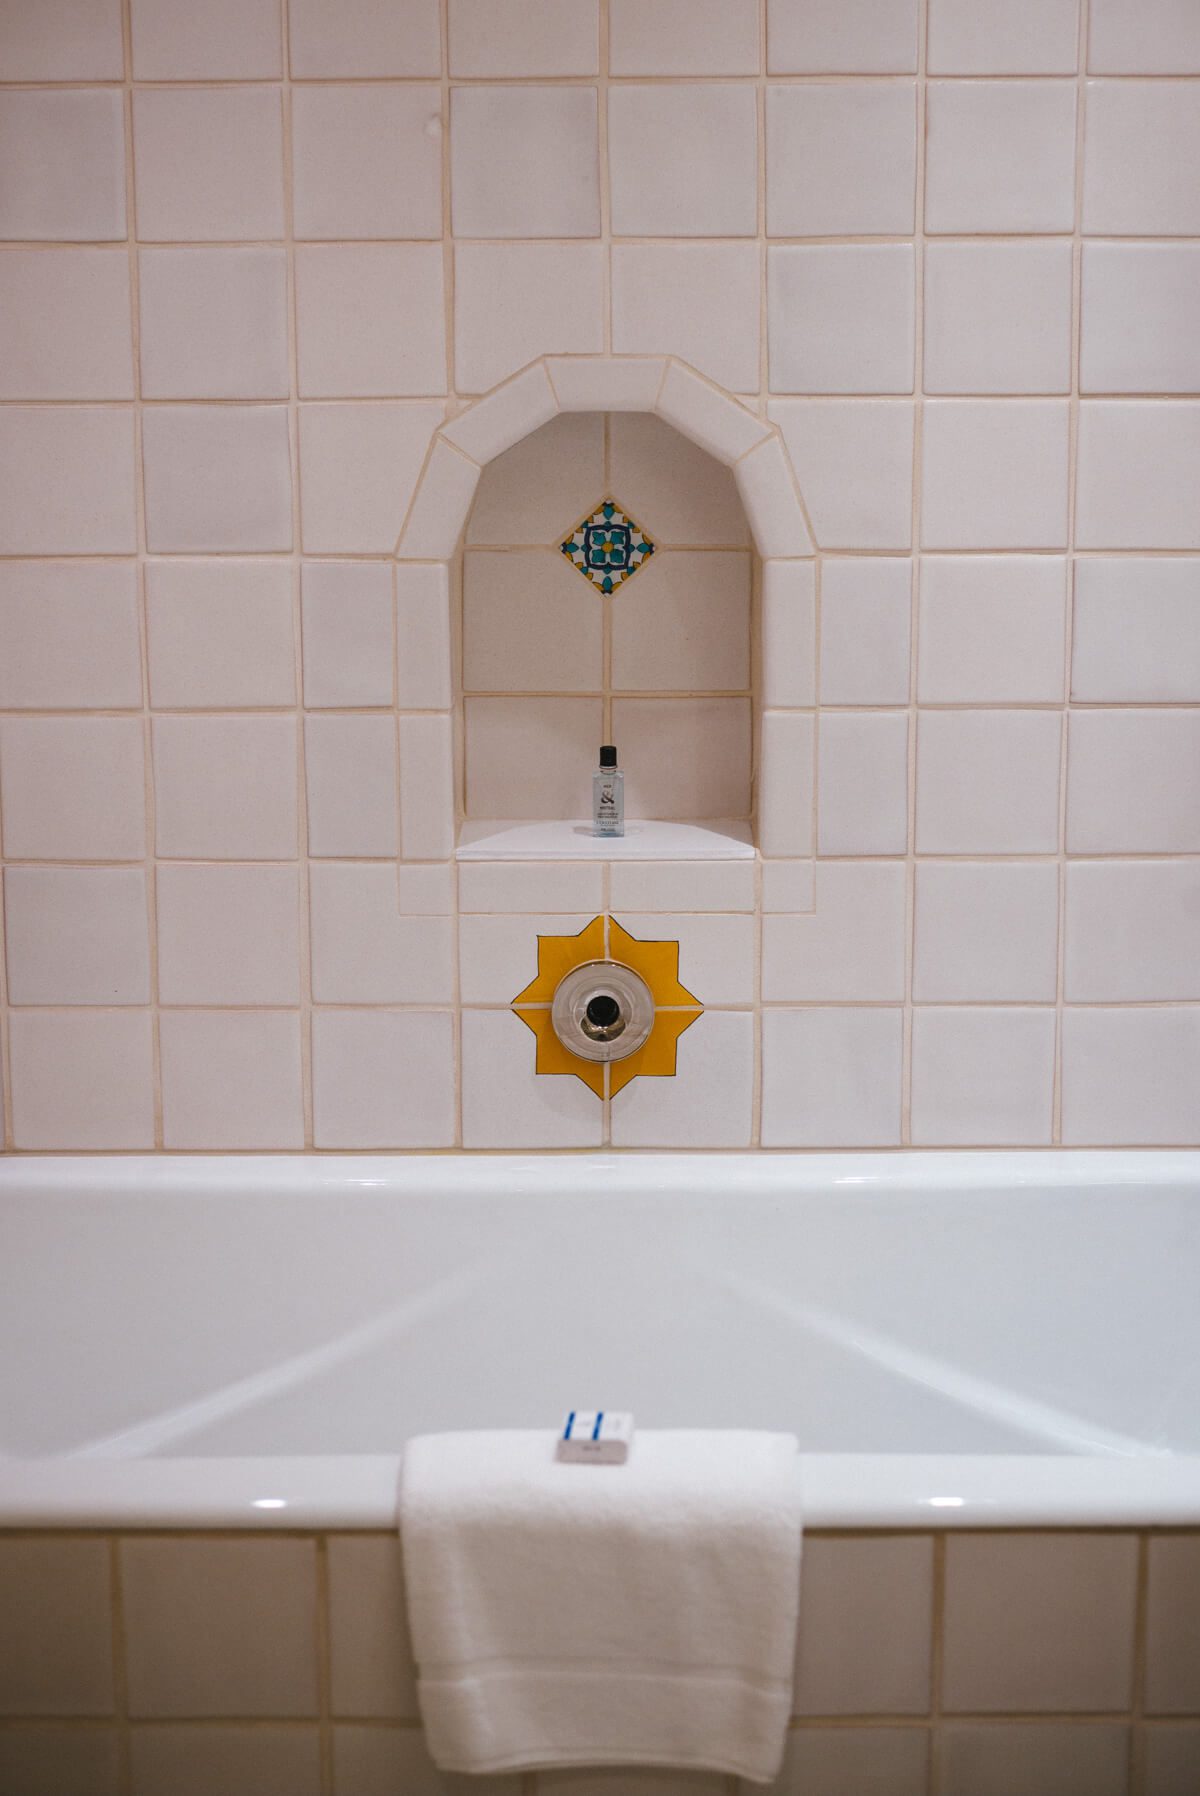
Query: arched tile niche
<point>782,824</point>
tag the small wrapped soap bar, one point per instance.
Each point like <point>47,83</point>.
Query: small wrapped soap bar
<point>596,1437</point>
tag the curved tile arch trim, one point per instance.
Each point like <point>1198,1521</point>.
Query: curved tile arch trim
<point>752,447</point>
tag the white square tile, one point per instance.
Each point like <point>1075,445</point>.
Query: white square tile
<point>1138,469</point>
<point>63,156</point>
<point>992,629</point>
<point>1142,143</point>
<point>347,628</point>
<point>82,1079</point>
<point>424,674</point>
<point>986,931</point>
<point>498,955</point>
<point>982,1760</point>
<point>427,792</point>
<point>530,757</point>
<point>1172,1684</point>
<point>845,1761</point>
<point>69,636</point>
<point>831,1078</point>
<point>506,1104</point>
<point>77,935</point>
<point>699,301</point>
<point>995,474</point>
<point>1129,782</point>
<point>866,1625</point>
<point>224,40</point>
<point>372,1672</point>
<point>709,1102</point>
<point>58,40</point>
<point>548,478</point>
<point>370,320</point>
<point>228,935</point>
<point>685,625</point>
<point>378,1761</point>
<point>854,463</point>
<point>865,614</point>
<point>225,788</point>
<point>364,37</point>
<point>840,318</point>
<point>426,891</point>
<point>788,885</point>
<point>997,318</point>
<point>1136,632</point>
<point>1170,1754</point>
<point>1131,1078</point>
<point>208,163</point>
<point>1001,156</point>
<point>862,784</point>
<point>1132,931</point>
<point>870,37</point>
<point>524,162</point>
<point>786,798</point>
<point>1138,304</point>
<point>383,1078</point>
<point>220,633</point>
<point>367,160</point>
<point>56,1654</point>
<point>683,161</point>
<point>789,635</point>
<point>218,477</point>
<point>716,953</point>
<point>230,1079</point>
<point>684,757</point>
<point>516,301</point>
<point>982,1078</point>
<point>524,886</point>
<point>1155,37</point>
<point>192,1761</point>
<point>350,766</point>
<point>524,37</point>
<point>65,328</point>
<point>73,788</point>
<point>220,1627</point>
<point>690,500</point>
<point>530,623</point>
<point>67,480</point>
<point>988,782</point>
<point>681,885</point>
<point>1039,1621</point>
<point>47,1758</point>
<point>364,950</point>
<point>851,949</point>
<point>359,466</point>
<point>213,323</point>
<point>841,158</point>
<point>1024,37</point>
<point>683,37</point>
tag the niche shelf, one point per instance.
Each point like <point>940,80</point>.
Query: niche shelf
<point>644,840</point>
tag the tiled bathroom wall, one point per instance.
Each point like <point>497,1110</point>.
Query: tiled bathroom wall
<point>252,254</point>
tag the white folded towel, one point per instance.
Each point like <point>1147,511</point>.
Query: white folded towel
<point>641,1614</point>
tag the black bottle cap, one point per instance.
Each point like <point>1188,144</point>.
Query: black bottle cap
<point>608,756</point>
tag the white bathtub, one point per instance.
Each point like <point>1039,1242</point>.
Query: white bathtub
<point>975,1339</point>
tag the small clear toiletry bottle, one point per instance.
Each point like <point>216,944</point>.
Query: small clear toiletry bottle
<point>608,796</point>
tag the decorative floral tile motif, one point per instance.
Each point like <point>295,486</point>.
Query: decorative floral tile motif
<point>675,1007</point>
<point>607,546</point>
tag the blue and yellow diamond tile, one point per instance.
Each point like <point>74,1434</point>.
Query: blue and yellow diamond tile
<point>607,547</point>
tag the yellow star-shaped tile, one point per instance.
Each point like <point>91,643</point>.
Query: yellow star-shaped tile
<point>675,1007</point>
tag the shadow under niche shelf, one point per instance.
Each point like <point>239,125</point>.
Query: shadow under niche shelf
<point>482,839</point>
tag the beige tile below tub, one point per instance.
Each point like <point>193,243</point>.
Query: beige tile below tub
<point>55,1627</point>
<point>226,1761</point>
<point>393,1761</point>
<point>372,1671</point>
<point>40,1760</point>
<point>1039,1622</point>
<point>865,1626</point>
<point>1173,1627</point>
<point>853,1761</point>
<point>1053,1759</point>
<point>1171,1760</point>
<point>220,1627</point>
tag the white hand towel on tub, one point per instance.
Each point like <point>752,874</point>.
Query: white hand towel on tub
<point>636,1614</point>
